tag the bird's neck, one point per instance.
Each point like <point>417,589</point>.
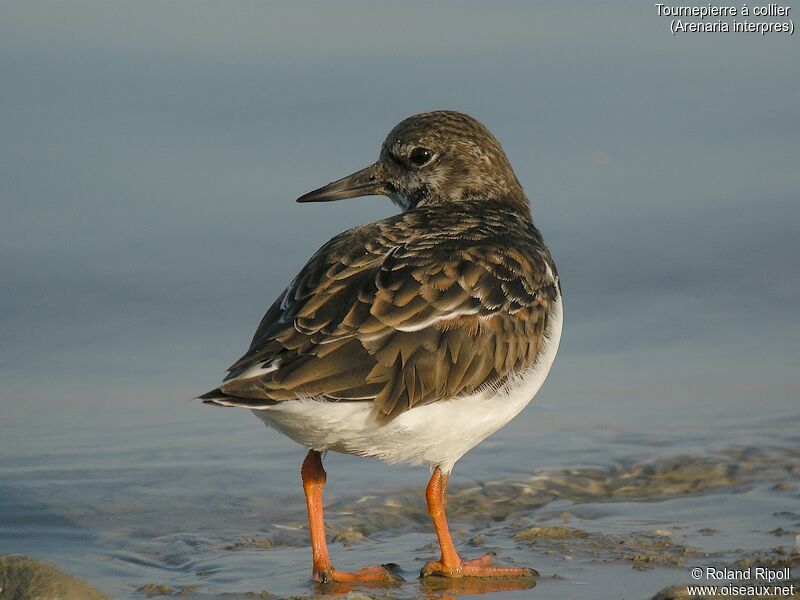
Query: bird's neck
<point>514,210</point>
<point>516,202</point>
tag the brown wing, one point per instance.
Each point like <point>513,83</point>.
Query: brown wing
<point>399,316</point>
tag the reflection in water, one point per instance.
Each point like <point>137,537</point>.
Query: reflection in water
<point>439,588</point>
<point>430,588</point>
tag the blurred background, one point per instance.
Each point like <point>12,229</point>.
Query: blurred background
<point>150,155</point>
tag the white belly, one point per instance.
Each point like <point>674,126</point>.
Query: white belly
<point>436,434</point>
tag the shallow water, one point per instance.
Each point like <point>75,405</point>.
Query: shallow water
<point>189,496</point>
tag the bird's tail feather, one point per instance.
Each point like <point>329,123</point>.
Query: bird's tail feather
<point>220,398</point>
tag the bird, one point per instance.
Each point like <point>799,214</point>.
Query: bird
<point>413,338</point>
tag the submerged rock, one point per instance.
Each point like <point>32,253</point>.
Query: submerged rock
<point>25,578</point>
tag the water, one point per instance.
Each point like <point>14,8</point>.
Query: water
<point>149,163</point>
<point>175,493</point>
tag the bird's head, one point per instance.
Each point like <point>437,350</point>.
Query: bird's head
<point>441,156</point>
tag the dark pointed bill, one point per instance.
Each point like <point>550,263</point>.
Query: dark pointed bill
<point>366,182</point>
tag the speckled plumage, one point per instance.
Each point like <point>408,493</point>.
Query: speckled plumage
<point>414,338</point>
<point>451,295</point>
<point>470,163</point>
<point>420,307</point>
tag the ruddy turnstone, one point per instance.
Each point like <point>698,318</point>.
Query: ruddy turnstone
<point>414,338</point>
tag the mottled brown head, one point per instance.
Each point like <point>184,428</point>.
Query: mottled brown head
<point>441,156</point>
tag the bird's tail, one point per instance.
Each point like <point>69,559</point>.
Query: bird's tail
<point>220,398</point>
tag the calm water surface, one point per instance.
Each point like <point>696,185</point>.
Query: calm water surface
<point>174,493</point>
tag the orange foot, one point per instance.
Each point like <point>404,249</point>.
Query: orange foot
<point>479,567</point>
<point>381,574</point>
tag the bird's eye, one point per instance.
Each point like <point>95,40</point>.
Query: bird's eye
<point>420,156</point>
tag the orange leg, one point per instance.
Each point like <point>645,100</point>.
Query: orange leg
<point>450,563</point>
<point>314,476</point>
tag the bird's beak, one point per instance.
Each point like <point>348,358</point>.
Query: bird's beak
<point>366,182</point>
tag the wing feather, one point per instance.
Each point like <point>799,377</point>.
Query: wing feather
<point>401,314</point>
